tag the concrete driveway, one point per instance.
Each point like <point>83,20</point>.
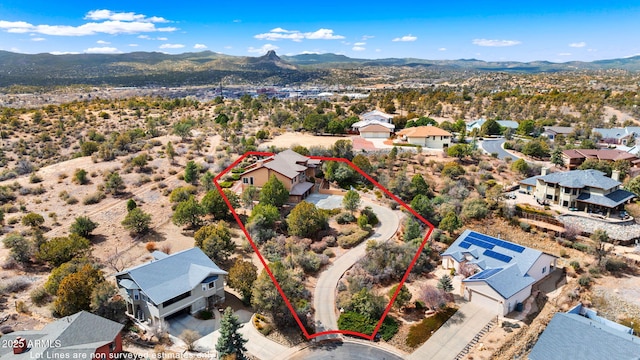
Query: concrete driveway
<point>324,201</point>
<point>455,334</point>
<point>183,322</point>
<point>495,146</point>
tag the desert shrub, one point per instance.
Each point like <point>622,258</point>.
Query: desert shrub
<point>35,178</point>
<point>151,246</point>
<point>352,239</point>
<point>94,198</point>
<point>422,331</point>
<point>22,307</point>
<point>575,265</point>
<point>371,216</point>
<point>525,226</point>
<point>204,315</point>
<point>330,240</point>
<point>15,285</point>
<point>318,247</point>
<point>580,246</point>
<point>345,218</point>
<point>615,265</point>
<point>309,261</point>
<point>39,296</point>
<point>328,253</point>
<point>584,280</point>
<point>226,184</point>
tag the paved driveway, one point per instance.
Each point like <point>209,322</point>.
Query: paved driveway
<point>495,146</point>
<point>455,334</point>
<point>344,350</point>
<point>325,201</point>
<point>179,323</point>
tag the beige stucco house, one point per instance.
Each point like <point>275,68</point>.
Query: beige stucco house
<point>427,136</point>
<point>184,282</point>
<point>292,169</point>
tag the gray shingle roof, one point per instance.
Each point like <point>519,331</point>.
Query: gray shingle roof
<point>610,200</point>
<point>173,275</point>
<point>579,179</point>
<point>571,336</point>
<point>81,332</point>
<point>513,276</point>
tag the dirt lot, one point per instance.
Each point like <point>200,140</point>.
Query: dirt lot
<point>289,139</point>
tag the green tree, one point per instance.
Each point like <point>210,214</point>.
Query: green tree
<point>403,298</point>
<point>351,200</point>
<point>264,215</point>
<point>60,272</point>
<point>182,193</point>
<point>249,195</point>
<point>411,230</point>
<point>83,226</point>
<point>556,157</point>
<point>634,185</point>
<point>274,193</point>
<point>306,220</point>
<point>596,164</point>
<point>137,221</point>
<point>215,241</point>
<point>170,151</point>
<point>342,149</point>
<point>106,302</point>
<point>520,166</point>
<point>88,148</point>
<point>450,223</point>
<point>241,277</point>
<point>114,184</point>
<point>474,208</point>
<point>33,220</point>
<point>189,213</point>
<point>131,204</point>
<point>267,300</point>
<point>367,303</point>
<point>74,292</point>
<point>536,148</point>
<point>19,246</point>
<point>59,250</point>
<point>459,150</point>
<point>206,180</point>
<point>452,170</point>
<point>80,176</point>
<point>422,205</point>
<point>445,284</point>
<point>191,172</point>
<point>363,163</point>
<point>419,186</point>
<point>230,343</point>
<point>490,127</point>
<point>140,161</point>
<point>182,129</point>
<point>526,127</point>
<point>213,203</point>
<point>601,249</point>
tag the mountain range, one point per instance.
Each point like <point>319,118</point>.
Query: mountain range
<point>202,68</point>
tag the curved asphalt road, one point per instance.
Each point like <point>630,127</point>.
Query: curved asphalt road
<point>495,146</point>
<point>344,350</point>
<point>324,296</point>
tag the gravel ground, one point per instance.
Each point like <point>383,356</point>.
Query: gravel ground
<point>615,231</point>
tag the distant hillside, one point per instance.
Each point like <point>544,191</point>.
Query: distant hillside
<point>201,68</point>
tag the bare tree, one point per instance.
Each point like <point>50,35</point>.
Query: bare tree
<point>467,269</point>
<point>433,297</point>
<point>118,261</point>
<point>189,337</point>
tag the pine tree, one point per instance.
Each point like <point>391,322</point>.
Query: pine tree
<point>231,341</point>
<point>444,283</point>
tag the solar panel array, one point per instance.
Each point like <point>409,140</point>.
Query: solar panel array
<point>465,245</point>
<point>494,241</point>
<point>478,242</point>
<point>485,274</point>
<point>497,256</point>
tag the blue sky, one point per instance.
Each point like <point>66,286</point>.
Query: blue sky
<point>557,31</point>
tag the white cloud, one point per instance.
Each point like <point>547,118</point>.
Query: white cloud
<point>578,44</point>
<point>162,39</point>
<point>146,37</point>
<point>360,44</point>
<point>367,37</point>
<point>263,49</point>
<point>495,43</point>
<point>406,38</point>
<point>228,47</point>
<point>237,20</point>
<point>38,39</point>
<point>378,50</point>
<point>199,46</point>
<point>63,53</point>
<point>358,48</point>
<point>102,50</point>
<point>306,52</point>
<point>102,42</point>
<point>442,49</point>
<point>171,46</point>
<point>104,22</point>
<point>297,36</point>
<point>133,45</point>
<point>564,54</point>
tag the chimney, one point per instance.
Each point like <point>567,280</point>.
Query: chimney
<point>19,346</point>
<point>543,171</point>
<point>615,175</point>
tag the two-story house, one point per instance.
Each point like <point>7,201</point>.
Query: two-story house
<point>585,190</point>
<point>184,282</point>
<point>292,169</point>
<point>427,136</point>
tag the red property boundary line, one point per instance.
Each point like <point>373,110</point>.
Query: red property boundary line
<point>275,282</point>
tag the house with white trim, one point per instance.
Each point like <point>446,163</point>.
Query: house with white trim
<point>374,124</point>
<point>504,271</point>
<point>184,282</point>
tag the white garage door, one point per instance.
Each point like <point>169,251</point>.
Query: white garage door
<point>380,135</point>
<point>486,302</point>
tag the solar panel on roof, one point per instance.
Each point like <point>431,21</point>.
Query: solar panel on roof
<point>497,256</point>
<point>485,274</point>
<point>465,245</point>
<point>482,244</point>
<point>498,242</point>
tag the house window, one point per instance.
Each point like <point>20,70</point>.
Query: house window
<point>136,295</point>
<point>544,269</point>
<point>212,285</point>
<point>567,191</point>
<point>143,296</point>
<point>112,347</point>
<point>565,203</point>
<point>247,180</point>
